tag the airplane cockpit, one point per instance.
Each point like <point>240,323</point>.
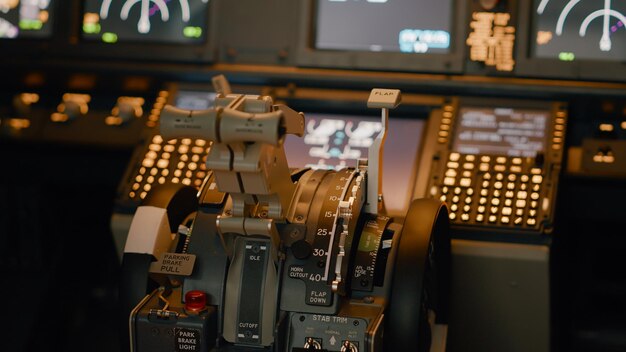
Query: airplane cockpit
<point>334,175</point>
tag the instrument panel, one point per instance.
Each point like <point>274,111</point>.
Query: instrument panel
<point>511,38</point>
<point>87,73</point>
<point>406,37</point>
<point>145,21</point>
<point>26,19</point>
<point>573,31</point>
<point>497,166</point>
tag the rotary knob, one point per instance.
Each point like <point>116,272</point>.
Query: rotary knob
<point>312,344</point>
<point>301,249</point>
<point>348,346</point>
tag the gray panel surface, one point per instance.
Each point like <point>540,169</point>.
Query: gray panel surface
<point>500,297</point>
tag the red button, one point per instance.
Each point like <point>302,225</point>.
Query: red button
<point>195,300</point>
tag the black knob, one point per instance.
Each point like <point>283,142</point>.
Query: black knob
<point>348,346</point>
<point>539,159</point>
<point>301,249</point>
<point>312,344</point>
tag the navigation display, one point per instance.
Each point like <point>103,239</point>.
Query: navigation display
<point>337,141</point>
<point>571,30</point>
<point>408,26</point>
<point>500,131</point>
<point>163,21</point>
<point>26,18</point>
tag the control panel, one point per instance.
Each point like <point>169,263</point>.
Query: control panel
<point>85,82</point>
<point>497,165</point>
<point>78,110</point>
<point>602,150</point>
<point>278,259</point>
<point>157,161</point>
<point>176,161</point>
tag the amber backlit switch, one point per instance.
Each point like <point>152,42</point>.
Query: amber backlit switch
<point>72,106</point>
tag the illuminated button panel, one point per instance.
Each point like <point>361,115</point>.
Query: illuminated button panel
<point>493,191</point>
<point>558,134</point>
<point>443,135</point>
<point>175,161</point>
<point>155,113</point>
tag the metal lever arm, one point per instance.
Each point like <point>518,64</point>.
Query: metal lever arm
<point>384,99</point>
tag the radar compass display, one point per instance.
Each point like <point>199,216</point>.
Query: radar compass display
<point>26,18</point>
<point>162,21</point>
<point>580,29</point>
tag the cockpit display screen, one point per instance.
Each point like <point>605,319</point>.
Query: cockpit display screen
<point>337,141</point>
<point>194,99</point>
<point>571,30</point>
<point>26,18</point>
<point>408,26</point>
<point>154,21</point>
<point>500,131</point>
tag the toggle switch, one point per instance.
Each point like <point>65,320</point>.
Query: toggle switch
<point>126,109</point>
<point>22,103</point>
<point>72,107</point>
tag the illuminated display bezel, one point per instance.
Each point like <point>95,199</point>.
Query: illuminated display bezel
<point>202,51</point>
<point>345,106</point>
<point>548,106</point>
<point>48,46</point>
<point>54,8</point>
<point>530,66</point>
<point>396,151</point>
<point>309,56</point>
<point>487,147</point>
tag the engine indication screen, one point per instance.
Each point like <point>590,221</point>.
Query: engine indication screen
<point>337,141</point>
<point>571,30</point>
<point>155,21</point>
<point>500,131</point>
<point>408,26</point>
<point>26,18</point>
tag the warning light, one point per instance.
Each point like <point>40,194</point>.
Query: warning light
<point>195,301</point>
<point>30,25</point>
<point>544,37</point>
<point>565,56</point>
<point>606,127</point>
<point>192,32</point>
<point>109,37</point>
